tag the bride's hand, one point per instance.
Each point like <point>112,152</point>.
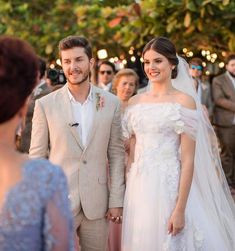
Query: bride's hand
<point>176,223</point>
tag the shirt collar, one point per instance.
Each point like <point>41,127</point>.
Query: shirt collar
<point>89,97</point>
<point>106,87</point>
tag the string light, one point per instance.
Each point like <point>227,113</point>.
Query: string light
<point>224,54</point>
<point>133,59</point>
<point>189,54</point>
<point>214,55</point>
<point>102,54</point>
<point>58,62</point>
<point>212,60</point>
<point>203,53</point>
<point>221,65</point>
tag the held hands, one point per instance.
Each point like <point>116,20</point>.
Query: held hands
<point>176,223</point>
<point>115,215</point>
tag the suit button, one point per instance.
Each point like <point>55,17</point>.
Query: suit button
<point>84,161</point>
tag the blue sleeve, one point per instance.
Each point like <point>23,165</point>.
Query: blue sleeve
<point>58,227</point>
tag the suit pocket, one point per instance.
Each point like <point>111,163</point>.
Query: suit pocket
<point>102,180</point>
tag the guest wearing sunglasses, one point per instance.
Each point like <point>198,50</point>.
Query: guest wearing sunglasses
<point>203,88</point>
<point>106,71</point>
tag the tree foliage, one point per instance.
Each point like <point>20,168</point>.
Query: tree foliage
<point>119,25</point>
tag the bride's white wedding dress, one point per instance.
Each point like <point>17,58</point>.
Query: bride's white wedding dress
<point>153,181</point>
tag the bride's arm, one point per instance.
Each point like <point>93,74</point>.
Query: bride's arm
<point>176,223</point>
<point>131,151</point>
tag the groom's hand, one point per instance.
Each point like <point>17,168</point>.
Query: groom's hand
<point>115,215</point>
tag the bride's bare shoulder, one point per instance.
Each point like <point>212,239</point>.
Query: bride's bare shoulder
<point>186,100</point>
<point>136,99</point>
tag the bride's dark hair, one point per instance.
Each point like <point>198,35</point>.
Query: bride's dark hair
<point>165,47</point>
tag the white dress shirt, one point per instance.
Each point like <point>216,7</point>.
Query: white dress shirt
<point>83,115</point>
<point>106,87</point>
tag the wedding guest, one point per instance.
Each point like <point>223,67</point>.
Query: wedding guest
<point>34,206</point>
<point>125,85</point>
<point>223,87</point>
<point>106,71</point>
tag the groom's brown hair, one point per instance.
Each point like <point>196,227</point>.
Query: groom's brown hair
<point>75,41</point>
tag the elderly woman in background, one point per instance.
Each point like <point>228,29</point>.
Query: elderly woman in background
<point>125,85</point>
<point>34,205</point>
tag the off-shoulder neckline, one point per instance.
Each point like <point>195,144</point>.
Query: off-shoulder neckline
<point>160,103</point>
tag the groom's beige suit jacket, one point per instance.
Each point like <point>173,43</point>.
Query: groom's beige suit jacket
<point>53,136</point>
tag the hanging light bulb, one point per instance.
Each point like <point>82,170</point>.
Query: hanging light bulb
<point>102,54</point>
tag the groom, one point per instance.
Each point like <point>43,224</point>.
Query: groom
<point>78,127</point>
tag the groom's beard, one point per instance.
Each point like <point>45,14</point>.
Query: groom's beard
<point>233,75</point>
<point>85,77</point>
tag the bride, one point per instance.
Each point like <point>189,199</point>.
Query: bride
<point>177,198</point>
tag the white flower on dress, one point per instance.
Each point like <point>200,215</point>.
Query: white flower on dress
<point>179,126</point>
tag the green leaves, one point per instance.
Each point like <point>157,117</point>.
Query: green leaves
<point>118,25</point>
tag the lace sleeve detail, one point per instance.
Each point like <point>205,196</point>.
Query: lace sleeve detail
<point>58,228</point>
<point>127,130</point>
<point>188,122</point>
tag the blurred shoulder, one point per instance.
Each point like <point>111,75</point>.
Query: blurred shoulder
<point>44,176</point>
<point>136,99</point>
<point>219,78</point>
<point>186,100</point>
<point>53,95</point>
<point>42,168</point>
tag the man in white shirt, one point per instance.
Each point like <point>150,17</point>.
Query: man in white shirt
<point>223,89</point>
<point>79,128</point>
<point>106,72</point>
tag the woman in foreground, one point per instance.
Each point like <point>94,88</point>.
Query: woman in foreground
<point>34,206</point>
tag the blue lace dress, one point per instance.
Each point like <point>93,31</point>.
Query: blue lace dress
<point>36,214</point>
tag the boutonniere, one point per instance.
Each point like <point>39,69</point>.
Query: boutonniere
<point>99,101</point>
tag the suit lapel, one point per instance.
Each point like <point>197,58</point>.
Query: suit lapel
<point>230,84</point>
<point>96,94</point>
<point>69,116</point>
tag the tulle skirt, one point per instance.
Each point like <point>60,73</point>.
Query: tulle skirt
<point>149,201</point>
